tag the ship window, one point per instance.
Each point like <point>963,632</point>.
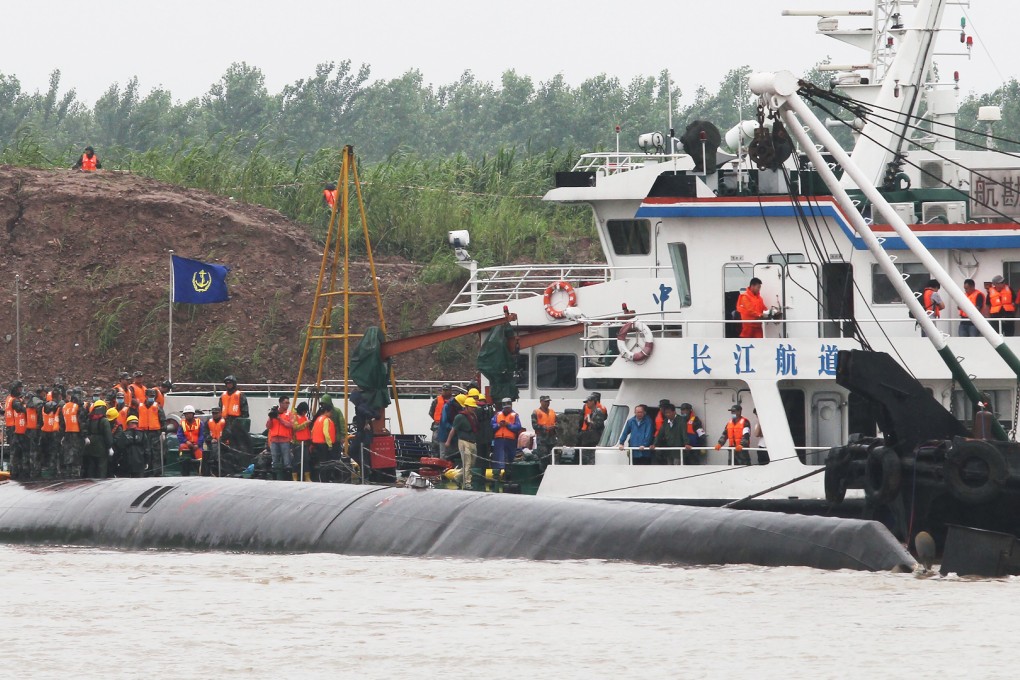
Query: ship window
<point>787,258</point>
<point>630,237</point>
<point>602,383</point>
<point>882,291</point>
<point>614,425</point>
<point>556,371</point>
<point>1011,272</point>
<point>682,273</point>
<point>521,371</point>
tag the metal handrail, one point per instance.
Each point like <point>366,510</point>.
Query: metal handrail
<point>494,285</point>
<point>613,162</point>
<point>629,451</point>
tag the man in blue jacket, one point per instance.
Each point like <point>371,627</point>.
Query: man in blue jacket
<point>641,432</point>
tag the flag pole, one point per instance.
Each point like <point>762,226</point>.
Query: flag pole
<point>170,334</point>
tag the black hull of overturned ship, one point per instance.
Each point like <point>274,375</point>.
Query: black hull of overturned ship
<point>203,513</point>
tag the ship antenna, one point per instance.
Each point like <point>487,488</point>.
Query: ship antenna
<point>669,98</point>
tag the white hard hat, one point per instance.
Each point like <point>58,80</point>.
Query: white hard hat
<point>188,409</point>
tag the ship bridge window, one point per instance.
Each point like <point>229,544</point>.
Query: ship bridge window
<point>882,291</point>
<point>556,371</point>
<point>630,237</point>
<point>682,273</point>
<point>787,258</point>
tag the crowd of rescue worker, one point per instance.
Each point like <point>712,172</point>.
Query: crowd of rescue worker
<point>60,432</point>
<point>471,428</point>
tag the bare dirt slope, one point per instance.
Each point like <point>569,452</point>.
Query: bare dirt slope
<point>92,252</point>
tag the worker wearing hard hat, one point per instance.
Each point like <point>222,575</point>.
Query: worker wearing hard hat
<point>190,437</point>
<point>98,442</point>
<point>133,444</point>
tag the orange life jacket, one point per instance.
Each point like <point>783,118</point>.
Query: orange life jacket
<point>1000,300</point>
<point>231,404</point>
<point>148,418</point>
<point>32,419</point>
<point>160,399</point>
<point>690,424</point>
<point>329,196</point>
<point>929,306</point>
<point>191,430</point>
<point>545,419</point>
<point>278,428</point>
<point>215,427</point>
<point>735,430</point>
<point>505,419</point>
<point>88,164</point>
<point>20,423</point>
<point>587,412</point>
<point>304,434</point>
<point>974,297</point>
<point>51,421</point>
<point>317,434</point>
<point>122,418</point>
<point>137,393</point>
<point>8,411</point>
<point>71,417</point>
<point>437,415</point>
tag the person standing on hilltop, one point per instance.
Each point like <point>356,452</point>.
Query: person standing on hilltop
<point>89,161</point>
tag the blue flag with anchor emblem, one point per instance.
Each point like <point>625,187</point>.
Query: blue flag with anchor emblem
<point>197,282</point>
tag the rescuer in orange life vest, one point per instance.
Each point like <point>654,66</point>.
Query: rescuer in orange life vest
<point>89,161</point>
<point>436,416</point>
<point>737,434</point>
<point>1001,305</point>
<point>752,310</point>
<point>543,422</point>
<point>235,410</point>
<point>977,298</point>
<point>213,457</point>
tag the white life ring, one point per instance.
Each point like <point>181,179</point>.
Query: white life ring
<point>647,341</point>
<point>547,299</point>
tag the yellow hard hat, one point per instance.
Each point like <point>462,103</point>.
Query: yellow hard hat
<point>474,392</point>
<point>132,419</point>
<point>98,403</point>
<point>112,414</point>
<point>460,398</point>
<point>470,403</point>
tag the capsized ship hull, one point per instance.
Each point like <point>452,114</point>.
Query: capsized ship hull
<point>199,513</point>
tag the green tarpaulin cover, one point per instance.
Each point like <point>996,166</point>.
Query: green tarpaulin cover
<point>497,363</point>
<point>369,372</point>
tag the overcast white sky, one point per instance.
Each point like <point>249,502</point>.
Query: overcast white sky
<point>186,45</point>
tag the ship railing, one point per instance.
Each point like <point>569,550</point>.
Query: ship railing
<point>499,285</point>
<point>427,388</point>
<point>614,455</point>
<point>612,163</point>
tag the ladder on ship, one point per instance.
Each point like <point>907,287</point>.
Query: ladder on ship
<point>336,260</point>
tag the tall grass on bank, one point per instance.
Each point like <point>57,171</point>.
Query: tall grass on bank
<point>411,201</point>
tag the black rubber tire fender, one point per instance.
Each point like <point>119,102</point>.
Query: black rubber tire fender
<point>962,452</point>
<point>883,475</point>
<point>837,470</point>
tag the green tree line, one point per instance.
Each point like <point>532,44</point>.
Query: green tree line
<point>469,154</point>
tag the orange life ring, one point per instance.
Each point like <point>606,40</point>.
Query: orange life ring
<point>547,299</point>
<point>635,355</point>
